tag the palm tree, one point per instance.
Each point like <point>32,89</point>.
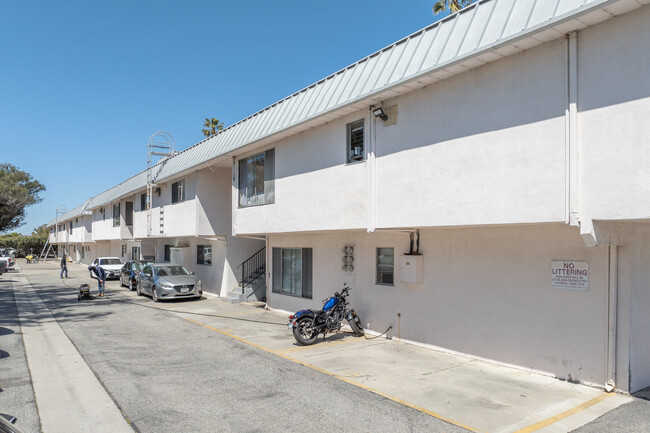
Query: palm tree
<point>213,125</point>
<point>451,5</point>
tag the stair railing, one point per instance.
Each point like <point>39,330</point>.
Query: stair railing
<point>252,268</point>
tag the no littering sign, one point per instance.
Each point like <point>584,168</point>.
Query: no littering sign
<point>569,275</point>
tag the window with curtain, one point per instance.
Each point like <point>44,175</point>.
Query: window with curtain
<point>257,179</point>
<point>292,271</point>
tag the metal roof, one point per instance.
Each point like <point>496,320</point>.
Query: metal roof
<point>478,34</point>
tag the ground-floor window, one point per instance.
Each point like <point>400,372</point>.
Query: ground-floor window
<point>135,253</point>
<point>167,253</point>
<point>385,265</point>
<point>292,271</point>
<point>204,254</point>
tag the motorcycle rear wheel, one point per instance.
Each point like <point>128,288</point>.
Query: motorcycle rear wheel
<point>303,331</point>
<point>356,325</point>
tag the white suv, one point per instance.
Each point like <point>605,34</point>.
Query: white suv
<point>112,266</point>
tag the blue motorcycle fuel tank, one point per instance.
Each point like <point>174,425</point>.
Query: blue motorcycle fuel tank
<point>330,303</point>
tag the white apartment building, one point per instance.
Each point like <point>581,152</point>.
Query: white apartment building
<point>495,206</point>
<point>189,224</point>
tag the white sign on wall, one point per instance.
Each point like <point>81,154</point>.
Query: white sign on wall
<point>569,275</point>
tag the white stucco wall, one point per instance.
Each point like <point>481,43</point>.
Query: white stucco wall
<point>485,147</point>
<point>485,292</point>
<point>614,106</point>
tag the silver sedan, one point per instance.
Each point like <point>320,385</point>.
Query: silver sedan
<point>165,281</point>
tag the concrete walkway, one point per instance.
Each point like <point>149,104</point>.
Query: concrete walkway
<point>470,393</point>
<point>68,395</point>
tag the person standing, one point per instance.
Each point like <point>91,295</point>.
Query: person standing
<point>100,274</point>
<point>64,266</point>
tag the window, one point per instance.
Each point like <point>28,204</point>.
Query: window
<point>256,179</point>
<point>143,201</point>
<point>355,148</point>
<point>128,213</point>
<point>116,215</point>
<point>123,250</point>
<point>292,271</point>
<point>83,252</point>
<point>167,253</point>
<point>70,227</point>
<point>204,254</point>
<point>135,253</point>
<point>385,265</point>
<point>178,191</point>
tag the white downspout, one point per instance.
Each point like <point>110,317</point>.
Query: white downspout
<point>612,307</point>
<point>372,171</point>
<point>571,119</point>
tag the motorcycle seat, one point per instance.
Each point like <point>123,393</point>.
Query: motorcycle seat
<point>316,312</point>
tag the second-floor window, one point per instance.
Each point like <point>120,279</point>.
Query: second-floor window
<point>70,227</point>
<point>143,201</point>
<point>116,215</point>
<point>257,179</point>
<point>355,147</point>
<point>178,191</point>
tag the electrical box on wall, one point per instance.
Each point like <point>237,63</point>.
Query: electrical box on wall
<point>411,269</point>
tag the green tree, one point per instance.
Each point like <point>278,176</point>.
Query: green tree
<point>26,244</point>
<point>450,5</point>
<point>18,190</point>
<point>212,126</point>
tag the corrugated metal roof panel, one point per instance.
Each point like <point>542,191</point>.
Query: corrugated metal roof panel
<point>475,32</point>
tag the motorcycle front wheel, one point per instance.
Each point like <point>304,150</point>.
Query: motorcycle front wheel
<point>356,325</point>
<point>304,332</point>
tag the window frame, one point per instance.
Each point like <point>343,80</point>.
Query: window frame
<point>384,268</point>
<point>178,190</point>
<point>143,201</point>
<point>167,253</point>
<point>306,272</point>
<point>244,198</point>
<point>116,215</point>
<point>201,254</point>
<point>349,131</point>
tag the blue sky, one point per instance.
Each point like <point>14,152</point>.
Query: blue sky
<point>83,84</point>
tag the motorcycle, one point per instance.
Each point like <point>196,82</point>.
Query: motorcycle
<point>308,324</point>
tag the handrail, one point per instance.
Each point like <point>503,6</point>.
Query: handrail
<point>252,268</point>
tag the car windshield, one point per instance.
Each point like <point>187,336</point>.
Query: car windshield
<point>166,271</point>
<point>110,261</point>
<point>137,266</point>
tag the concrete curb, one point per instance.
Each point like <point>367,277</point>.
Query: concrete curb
<point>68,395</point>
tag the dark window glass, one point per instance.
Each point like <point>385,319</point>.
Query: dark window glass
<point>355,145</point>
<point>257,179</point>
<point>204,254</point>
<point>178,191</point>
<point>167,254</point>
<point>128,213</point>
<point>292,271</point>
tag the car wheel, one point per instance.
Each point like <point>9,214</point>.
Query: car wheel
<point>137,290</point>
<point>131,285</point>
<point>121,282</point>
<point>154,294</point>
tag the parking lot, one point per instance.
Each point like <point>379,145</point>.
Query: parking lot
<point>213,366</point>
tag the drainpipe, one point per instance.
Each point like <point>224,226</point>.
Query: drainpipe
<point>571,139</point>
<point>612,306</point>
<point>372,171</point>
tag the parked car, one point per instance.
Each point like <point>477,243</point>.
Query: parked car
<point>130,271</point>
<point>3,267</point>
<point>112,266</point>
<point>165,281</point>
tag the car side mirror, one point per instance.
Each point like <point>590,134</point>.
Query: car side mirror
<point>192,273</point>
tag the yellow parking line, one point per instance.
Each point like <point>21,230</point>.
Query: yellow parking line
<point>337,376</point>
<point>315,346</point>
<point>565,414</point>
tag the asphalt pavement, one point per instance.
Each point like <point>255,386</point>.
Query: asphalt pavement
<point>210,366</point>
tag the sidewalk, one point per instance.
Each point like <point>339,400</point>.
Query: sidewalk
<point>470,393</point>
<point>68,395</point>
